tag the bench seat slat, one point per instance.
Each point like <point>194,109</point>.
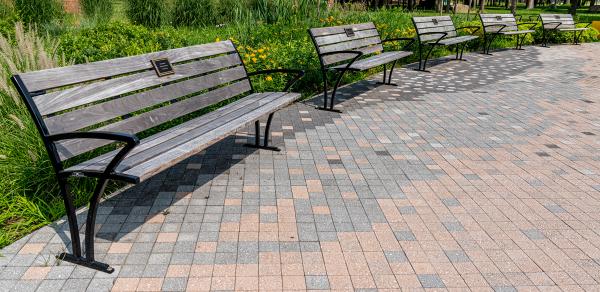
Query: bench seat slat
<point>517,32</point>
<point>376,60</point>
<point>58,77</point>
<point>457,40</point>
<point>193,136</point>
<point>88,93</point>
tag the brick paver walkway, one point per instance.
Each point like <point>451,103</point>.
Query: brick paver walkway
<point>482,175</point>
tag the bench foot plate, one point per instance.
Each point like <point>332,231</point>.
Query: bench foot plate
<point>67,257</point>
<point>272,148</point>
<point>385,83</point>
<point>328,109</point>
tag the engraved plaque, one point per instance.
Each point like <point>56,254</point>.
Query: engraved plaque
<point>349,32</point>
<point>435,21</point>
<point>162,67</point>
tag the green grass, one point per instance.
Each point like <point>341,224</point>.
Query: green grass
<point>266,38</point>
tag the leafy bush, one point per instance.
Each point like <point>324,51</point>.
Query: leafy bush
<point>115,40</point>
<point>150,13</point>
<point>193,13</point>
<point>98,9</point>
<point>39,11</point>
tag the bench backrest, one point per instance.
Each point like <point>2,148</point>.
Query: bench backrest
<point>127,95</point>
<point>550,21</point>
<point>362,37</point>
<point>429,24</point>
<point>494,22</point>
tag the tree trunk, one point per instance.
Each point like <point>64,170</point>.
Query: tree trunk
<point>481,6</point>
<point>530,4</point>
<point>574,6</point>
<point>439,5</point>
<point>513,6</point>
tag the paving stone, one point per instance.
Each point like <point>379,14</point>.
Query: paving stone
<point>431,281</point>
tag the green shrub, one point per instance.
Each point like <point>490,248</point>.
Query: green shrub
<point>115,40</point>
<point>39,11</point>
<point>193,13</point>
<point>8,18</point>
<point>98,9</point>
<point>150,13</point>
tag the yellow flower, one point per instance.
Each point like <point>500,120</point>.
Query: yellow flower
<point>261,50</point>
<point>217,40</point>
<point>269,78</point>
<point>263,56</point>
<point>254,60</point>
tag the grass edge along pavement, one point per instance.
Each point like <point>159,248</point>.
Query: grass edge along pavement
<point>29,194</point>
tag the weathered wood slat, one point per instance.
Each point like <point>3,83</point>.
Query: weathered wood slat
<point>155,165</point>
<point>322,31</point>
<point>193,136</point>
<point>422,25</point>
<point>351,45</point>
<point>377,60</point>
<point>331,59</point>
<point>154,118</point>
<point>58,77</point>
<point>342,37</point>
<point>457,40</point>
<point>80,95</point>
<point>420,19</point>
<point>169,134</point>
<point>95,114</point>
<point>549,21</point>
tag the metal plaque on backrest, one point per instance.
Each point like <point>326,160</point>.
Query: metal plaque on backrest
<point>556,16</point>
<point>498,17</point>
<point>435,21</point>
<point>349,32</point>
<point>162,67</point>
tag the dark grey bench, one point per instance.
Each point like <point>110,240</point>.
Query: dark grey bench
<point>506,25</point>
<point>435,31</point>
<point>561,23</point>
<point>355,47</point>
<point>81,108</point>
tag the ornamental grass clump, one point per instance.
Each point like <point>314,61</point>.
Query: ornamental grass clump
<point>101,10</point>
<point>39,11</point>
<point>28,192</point>
<point>149,13</point>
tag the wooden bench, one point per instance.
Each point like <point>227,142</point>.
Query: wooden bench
<point>560,23</point>
<point>79,109</point>
<point>503,24</point>
<point>355,47</point>
<point>439,31</point>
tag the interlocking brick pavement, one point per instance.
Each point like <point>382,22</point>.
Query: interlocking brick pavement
<point>481,175</point>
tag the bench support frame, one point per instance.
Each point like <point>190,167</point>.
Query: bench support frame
<point>460,47</point>
<point>265,144</point>
<point>78,256</point>
<point>546,33</point>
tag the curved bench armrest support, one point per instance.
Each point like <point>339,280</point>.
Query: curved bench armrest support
<point>130,140</point>
<point>477,28</point>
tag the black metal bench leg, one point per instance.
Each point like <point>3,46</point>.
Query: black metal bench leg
<point>89,259</point>
<point>544,38</point>
<point>422,68</point>
<point>387,78</point>
<point>325,88</point>
<point>71,217</point>
<point>265,144</point>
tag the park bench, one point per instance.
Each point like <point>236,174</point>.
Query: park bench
<point>560,23</point>
<point>355,47</point>
<point>82,109</point>
<point>503,24</point>
<point>435,31</point>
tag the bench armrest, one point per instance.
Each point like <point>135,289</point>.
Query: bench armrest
<point>503,26</point>
<point>470,26</point>
<point>533,24</point>
<point>558,23</point>
<point>130,139</point>
<point>412,40</point>
<point>357,53</point>
<point>444,34</point>
<point>588,24</point>
<point>290,83</point>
